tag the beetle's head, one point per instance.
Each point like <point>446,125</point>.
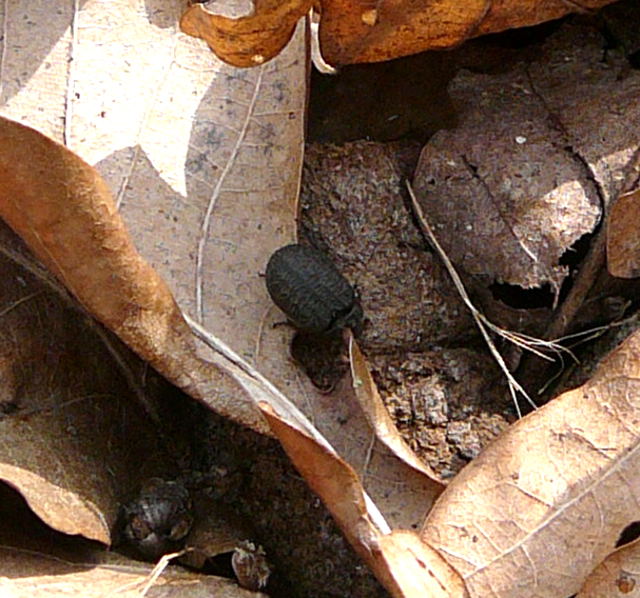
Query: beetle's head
<point>351,318</point>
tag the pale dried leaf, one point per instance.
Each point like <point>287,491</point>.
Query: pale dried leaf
<point>618,576</point>
<point>205,162</point>
<point>524,175</point>
<point>547,501</point>
<point>98,575</point>
<point>210,249</point>
<point>378,417</point>
<point>241,173</point>
<point>623,242</point>
<point>207,221</point>
<point>408,560</point>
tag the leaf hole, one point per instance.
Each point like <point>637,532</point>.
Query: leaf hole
<point>219,565</point>
<point>517,297</point>
<point>520,298</point>
<point>629,534</point>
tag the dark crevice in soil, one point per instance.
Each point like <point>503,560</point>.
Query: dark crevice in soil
<point>618,24</point>
<point>382,101</point>
<point>574,255</point>
<point>573,258</point>
<point>309,555</point>
<point>517,297</point>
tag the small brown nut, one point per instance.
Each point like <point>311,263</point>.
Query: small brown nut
<point>158,520</point>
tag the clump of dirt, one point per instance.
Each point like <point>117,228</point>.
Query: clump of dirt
<point>353,208</point>
<point>323,357</point>
<point>446,394</point>
<point>447,403</point>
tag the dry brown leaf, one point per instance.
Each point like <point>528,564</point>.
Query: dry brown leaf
<point>618,576</point>
<point>353,32</point>
<point>593,103</point>
<point>378,416</point>
<point>245,35</point>
<point>99,574</point>
<point>52,199</point>
<point>75,441</point>
<point>406,567</point>
<point>128,115</point>
<point>409,559</point>
<point>546,503</point>
<point>623,243</point>
<point>508,192</point>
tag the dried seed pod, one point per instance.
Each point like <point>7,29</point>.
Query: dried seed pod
<point>159,519</point>
<point>250,566</point>
<point>322,357</point>
<point>305,284</point>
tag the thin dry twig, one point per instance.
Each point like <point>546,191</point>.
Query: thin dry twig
<point>161,565</point>
<point>149,579</point>
<point>529,343</point>
<point>593,333</point>
<point>20,301</point>
<point>585,336</point>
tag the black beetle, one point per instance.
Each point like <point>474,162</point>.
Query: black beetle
<point>305,284</point>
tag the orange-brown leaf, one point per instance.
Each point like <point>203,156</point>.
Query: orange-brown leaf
<point>246,39</point>
<point>64,211</point>
<point>623,241</point>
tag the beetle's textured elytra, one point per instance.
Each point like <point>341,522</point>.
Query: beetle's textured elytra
<point>305,284</point>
